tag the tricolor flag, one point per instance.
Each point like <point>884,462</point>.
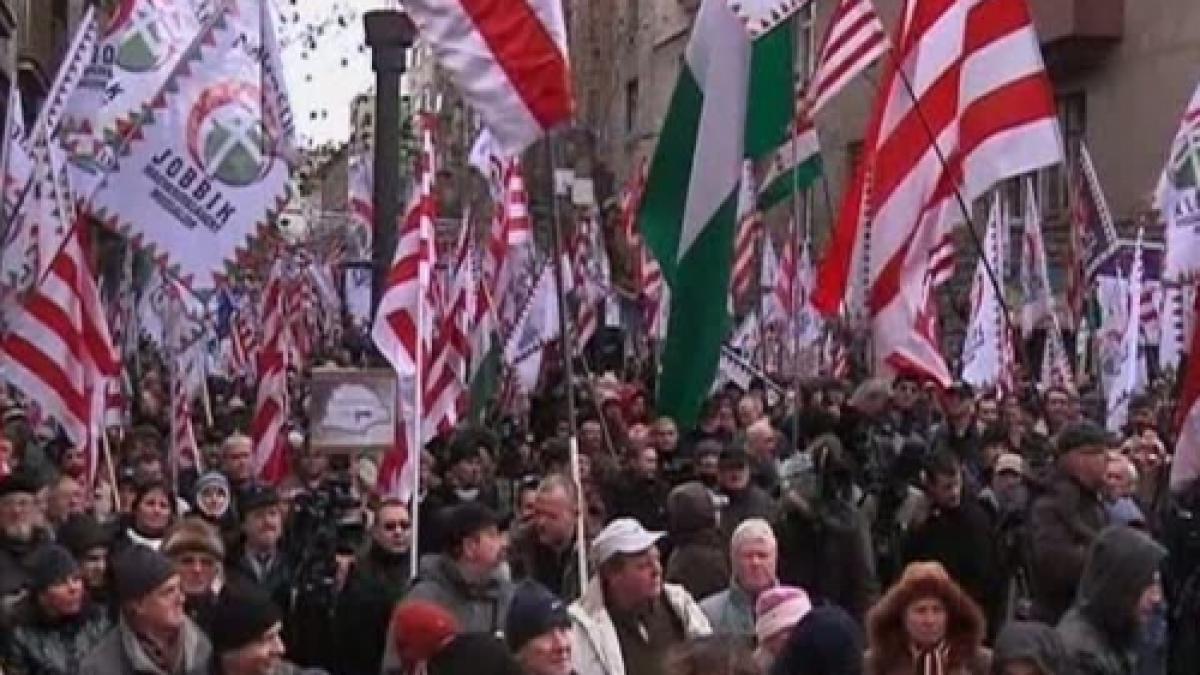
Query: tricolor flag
<point>734,100</point>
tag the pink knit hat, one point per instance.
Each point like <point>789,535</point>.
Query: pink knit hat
<point>779,609</point>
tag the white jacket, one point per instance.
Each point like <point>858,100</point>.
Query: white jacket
<point>595,649</point>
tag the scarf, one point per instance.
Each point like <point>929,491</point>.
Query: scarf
<point>931,661</point>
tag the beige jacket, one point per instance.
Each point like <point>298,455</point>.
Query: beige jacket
<point>595,649</point>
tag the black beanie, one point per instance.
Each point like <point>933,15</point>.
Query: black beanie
<point>240,616</point>
<point>138,570</point>
<point>49,565</point>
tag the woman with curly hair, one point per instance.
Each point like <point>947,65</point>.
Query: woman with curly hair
<point>926,625</point>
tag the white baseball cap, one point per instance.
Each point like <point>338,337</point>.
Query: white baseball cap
<point>623,535</point>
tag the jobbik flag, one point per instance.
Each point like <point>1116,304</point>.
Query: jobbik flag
<point>984,348</point>
<point>140,45</point>
<point>1131,376</point>
<point>1179,198</point>
<point>207,166</point>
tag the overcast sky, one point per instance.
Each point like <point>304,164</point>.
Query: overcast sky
<point>323,80</point>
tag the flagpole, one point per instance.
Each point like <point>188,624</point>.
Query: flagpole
<point>963,207</point>
<point>566,350</point>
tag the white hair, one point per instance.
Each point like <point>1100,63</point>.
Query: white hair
<point>751,529</point>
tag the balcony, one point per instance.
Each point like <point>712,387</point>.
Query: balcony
<point>1077,35</point>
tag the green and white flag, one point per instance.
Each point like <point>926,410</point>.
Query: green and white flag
<point>733,100</point>
<point>795,166</point>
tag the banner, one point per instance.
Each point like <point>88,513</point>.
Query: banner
<point>208,166</point>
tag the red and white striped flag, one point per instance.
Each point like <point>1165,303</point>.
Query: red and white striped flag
<point>360,185</point>
<point>588,293</point>
<point>509,249</point>
<point>749,233</point>
<point>509,60</point>
<point>648,277</point>
<point>272,406</point>
<point>855,40</point>
<point>58,350</point>
<point>981,90</point>
<point>404,323</point>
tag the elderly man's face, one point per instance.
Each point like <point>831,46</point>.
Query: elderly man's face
<point>18,516</point>
<point>754,565</point>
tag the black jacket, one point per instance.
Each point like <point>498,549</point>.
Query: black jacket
<point>961,540</point>
<point>376,583</point>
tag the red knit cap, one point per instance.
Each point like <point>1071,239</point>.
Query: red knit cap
<point>420,629</point>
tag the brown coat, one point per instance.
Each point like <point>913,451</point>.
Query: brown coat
<point>888,644</point>
<point>1063,523</point>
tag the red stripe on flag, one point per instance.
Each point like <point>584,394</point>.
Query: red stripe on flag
<point>528,54</point>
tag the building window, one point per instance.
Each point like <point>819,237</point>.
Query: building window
<point>633,18</point>
<point>631,106</point>
<point>1055,182</point>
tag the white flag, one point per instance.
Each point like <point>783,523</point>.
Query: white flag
<point>1179,198</point>
<point>1131,376</point>
<point>209,168</point>
<point>984,352</point>
<point>490,161</point>
<point>537,325</point>
<point>1038,304</point>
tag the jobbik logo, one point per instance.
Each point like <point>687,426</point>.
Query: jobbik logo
<point>227,147</point>
<point>148,33</point>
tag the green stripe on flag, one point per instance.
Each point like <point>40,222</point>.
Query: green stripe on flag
<point>699,319</point>
<point>772,90</point>
<point>783,185</point>
<point>670,174</point>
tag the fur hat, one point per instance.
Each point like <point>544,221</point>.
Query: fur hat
<point>965,625</point>
<point>192,535</point>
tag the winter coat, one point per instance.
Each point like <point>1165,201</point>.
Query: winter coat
<point>39,645</point>
<point>120,653</point>
<point>1035,643</point>
<point>1063,523</point>
<point>1100,632</point>
<point>826,550</point>
<point>364,607</point>
<point>631,496</point>
<point>731,612</point>
<point>961,540</point>
<point>277,582</point>
<point>13,575</point>
<point>698,561</point>
<point>753,502</point>
<point>479,609</point>
<point>556,570</point>
<point>888,650</point>
<point>596,650</point>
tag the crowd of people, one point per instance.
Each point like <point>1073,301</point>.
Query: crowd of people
<point>884,528</point>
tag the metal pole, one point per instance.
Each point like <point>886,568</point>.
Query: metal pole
<point>567,349</point>
<point>389,34</point>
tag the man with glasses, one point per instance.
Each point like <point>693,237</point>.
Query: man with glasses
<point>376,583</point>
